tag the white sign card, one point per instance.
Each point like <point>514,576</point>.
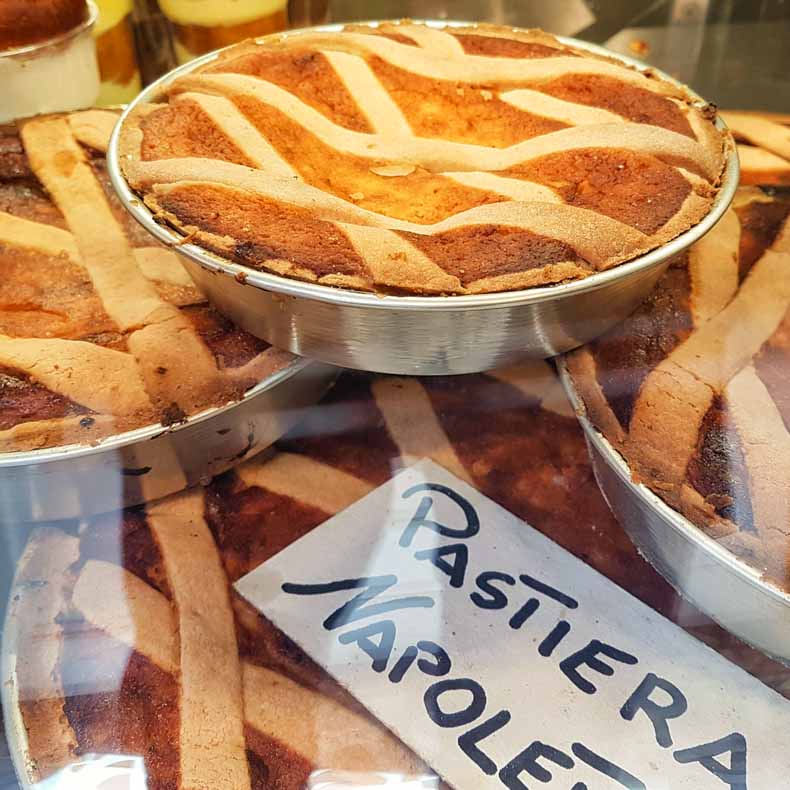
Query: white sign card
<point>504,661</point>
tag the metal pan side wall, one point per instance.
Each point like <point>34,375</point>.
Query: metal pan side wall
<point>426,342</point>
<point>419,335</point>
<point>147,464</point>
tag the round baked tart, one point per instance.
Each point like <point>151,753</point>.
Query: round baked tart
<point>403,166</point>
<point>688,398</point>
<point>128,680</point>
<point>105,341</point>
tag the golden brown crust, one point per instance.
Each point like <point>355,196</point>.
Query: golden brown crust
<point>23,22</point>
<point>417,130</point>
<point>101,330</point>
<point>707,424</point>
<point>212,751</point>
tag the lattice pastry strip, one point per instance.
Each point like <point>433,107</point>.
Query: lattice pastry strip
<point>153,364</point>
<point>763,148</point>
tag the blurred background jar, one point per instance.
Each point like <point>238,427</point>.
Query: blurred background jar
<point>120,75</point>
<point>201,26</point>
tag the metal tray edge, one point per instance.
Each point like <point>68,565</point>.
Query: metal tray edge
<point>616,462</point>
<point>147,432</point>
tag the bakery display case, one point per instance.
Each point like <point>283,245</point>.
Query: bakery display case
<point>396,404</point>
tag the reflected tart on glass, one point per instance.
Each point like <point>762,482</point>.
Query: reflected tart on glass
<point>101,329</point>
<point>694,388</point>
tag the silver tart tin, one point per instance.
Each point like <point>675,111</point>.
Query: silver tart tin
<point>414,335</point>
<point>138,466</point>
<point>712,578</point>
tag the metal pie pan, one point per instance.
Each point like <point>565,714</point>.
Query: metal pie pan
<point>138,466</point>
<point>419,335</point>
<point>713,579</point>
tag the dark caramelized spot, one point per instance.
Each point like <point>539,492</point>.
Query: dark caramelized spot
<point>632,102</point>
<point>23,400</point>
<point>273,764</point>
<point>262,643</point>
<point>259,771</point>
<point>172,414</point>
<point>477,251</point>
<point>27,199</point>
<point>115,341</point>
<point>458,111</point>
<point>772,364</point>
<point>119,702</point>
<point>760,225</point>
<point>306,74</point>
<point>183,129</point>
<point>495,46</point>
<point>349,411</point>
<point>264,228</point>
<point>421,196</point>
<point>252,525</point>
<point>625,355</point>
<point>232,347</point>
<point>718,469</point>
<point>534,463</point>
<point>636,189</point>
<point>13,160</point>
<point>399,37</point>
<point>124,538</point>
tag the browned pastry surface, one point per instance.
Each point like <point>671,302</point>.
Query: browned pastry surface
<point>693,388</point>
<point>406,159</point>
<point>168,655</point>
<point>101,329</point>
<point>25,22</point>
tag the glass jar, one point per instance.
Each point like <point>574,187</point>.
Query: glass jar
<point>53,75</point>
<point>120,75</point>
<point>204,25</point>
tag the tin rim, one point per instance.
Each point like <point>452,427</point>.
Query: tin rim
<point>367,300</point>
<point>677,521</point>
<point>91,17</point>
<point>147,432</point>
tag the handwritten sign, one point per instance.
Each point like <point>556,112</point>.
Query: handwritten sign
<point>504,661</point>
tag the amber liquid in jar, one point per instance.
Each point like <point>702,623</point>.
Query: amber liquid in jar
<point>120,75</point>
<point>201,26</point>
